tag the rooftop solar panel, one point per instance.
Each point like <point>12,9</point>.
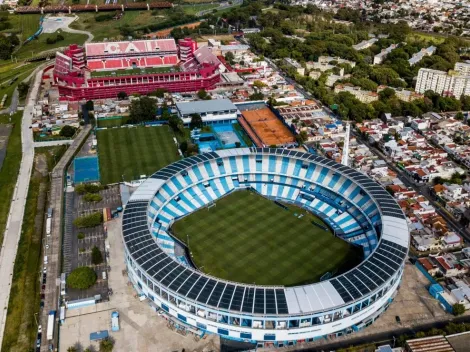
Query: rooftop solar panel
<point>237,298</point>
<point>197,288</point>
<point>226,298</point>
<point>247,306</point>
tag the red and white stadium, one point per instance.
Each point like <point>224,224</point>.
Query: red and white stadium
<point>102,70</point>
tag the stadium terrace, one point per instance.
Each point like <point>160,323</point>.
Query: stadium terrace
<point>355,207</point>
<point>102,70</point>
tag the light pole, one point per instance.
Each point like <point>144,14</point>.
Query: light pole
<point>36,319</point>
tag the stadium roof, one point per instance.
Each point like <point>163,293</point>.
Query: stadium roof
<point>205,106</point>
<point>130,47</point>
<point>362,281</point>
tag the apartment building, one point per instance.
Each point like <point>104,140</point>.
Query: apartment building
<point>363,96</point>
<point>455,83</point>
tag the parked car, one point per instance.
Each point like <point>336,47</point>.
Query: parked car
<point>41,305</point>
<point>39,330</point>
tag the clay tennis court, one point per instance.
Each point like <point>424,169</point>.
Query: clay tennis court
<point>268,128</point>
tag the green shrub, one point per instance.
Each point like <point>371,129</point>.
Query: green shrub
<point>91,220</point>
<point>104,17</point>
<point>88,188</point>
<point>81,278</point>
<point>81,236</point>
<point>96,256</point>
<point>92,197</point>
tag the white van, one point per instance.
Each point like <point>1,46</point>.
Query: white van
<point>104,275</point>
<point>45,259</point>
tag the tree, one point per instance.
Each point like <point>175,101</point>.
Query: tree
<point>196,121</point>
<point>229,57</point>
<point>106,345</point>
<point>184,147</point>
<point>90,220</point>
<point>122,95</point>
<point>202,94</point>
<point>23,89</point>
<point>72,349</point>
<point>386,94</point>
<point>258,84</point>
<point>68,131</point>
<point>88,188</point>
<point>160,92</point>
<point>96,256</point>
<point>92,197</point>
<point>176,124</point>
<point>143,109</point>
<point>81,278</point>
<point>458,309</point>
<point>90,105</point>
<point>257,96</point>
<point>459,116</point>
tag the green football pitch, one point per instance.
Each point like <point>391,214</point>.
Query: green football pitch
<point>248,238</point>
<point>130,152</point>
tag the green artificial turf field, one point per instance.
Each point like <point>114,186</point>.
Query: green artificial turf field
<point>135,151</point>
<point>248,238</point>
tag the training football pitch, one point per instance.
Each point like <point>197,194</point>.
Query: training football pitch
<point>248,238</point>
<point>130,152</point>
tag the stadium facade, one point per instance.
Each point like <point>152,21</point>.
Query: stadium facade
<point>102,70</point>
<point>356,208</point>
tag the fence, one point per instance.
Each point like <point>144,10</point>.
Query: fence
<point>425,273</point>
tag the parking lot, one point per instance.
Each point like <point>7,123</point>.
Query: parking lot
<point>78,243</point>
<point>141,329</point>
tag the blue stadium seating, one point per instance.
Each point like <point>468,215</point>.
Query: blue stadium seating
<point>324,192</point>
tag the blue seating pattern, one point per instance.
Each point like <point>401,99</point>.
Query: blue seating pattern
<point>336,199</point>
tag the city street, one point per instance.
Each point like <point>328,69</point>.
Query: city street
<point>421,189</point>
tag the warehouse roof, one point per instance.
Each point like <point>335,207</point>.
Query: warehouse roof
<point>205,106</point>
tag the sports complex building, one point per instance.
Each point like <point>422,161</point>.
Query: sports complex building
<point>356,208</point>
<point>102,70</point>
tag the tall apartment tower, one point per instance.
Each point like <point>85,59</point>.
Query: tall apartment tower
<point>454,83</point>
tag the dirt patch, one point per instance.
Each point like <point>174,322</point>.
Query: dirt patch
<point>40,165</point>
<point>166,32</point>
<point>227,37</point>
<point>5,131</point>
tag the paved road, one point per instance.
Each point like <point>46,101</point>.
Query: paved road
<point>387,337</point>
<point>71,30</point>
<point>421,189</point>
<point>15,219</point>
<point>222,6</point>
<point>52,143</point>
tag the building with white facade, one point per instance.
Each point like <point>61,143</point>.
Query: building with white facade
<point>365,44</point>
<point>454,83</point>
<point>422,53</point>
<point>211,111</point>
<point>294,64</point>
<point>364,96</point>
<point>380,57</point>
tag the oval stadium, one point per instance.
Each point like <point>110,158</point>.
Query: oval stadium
<point>177,229</point>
